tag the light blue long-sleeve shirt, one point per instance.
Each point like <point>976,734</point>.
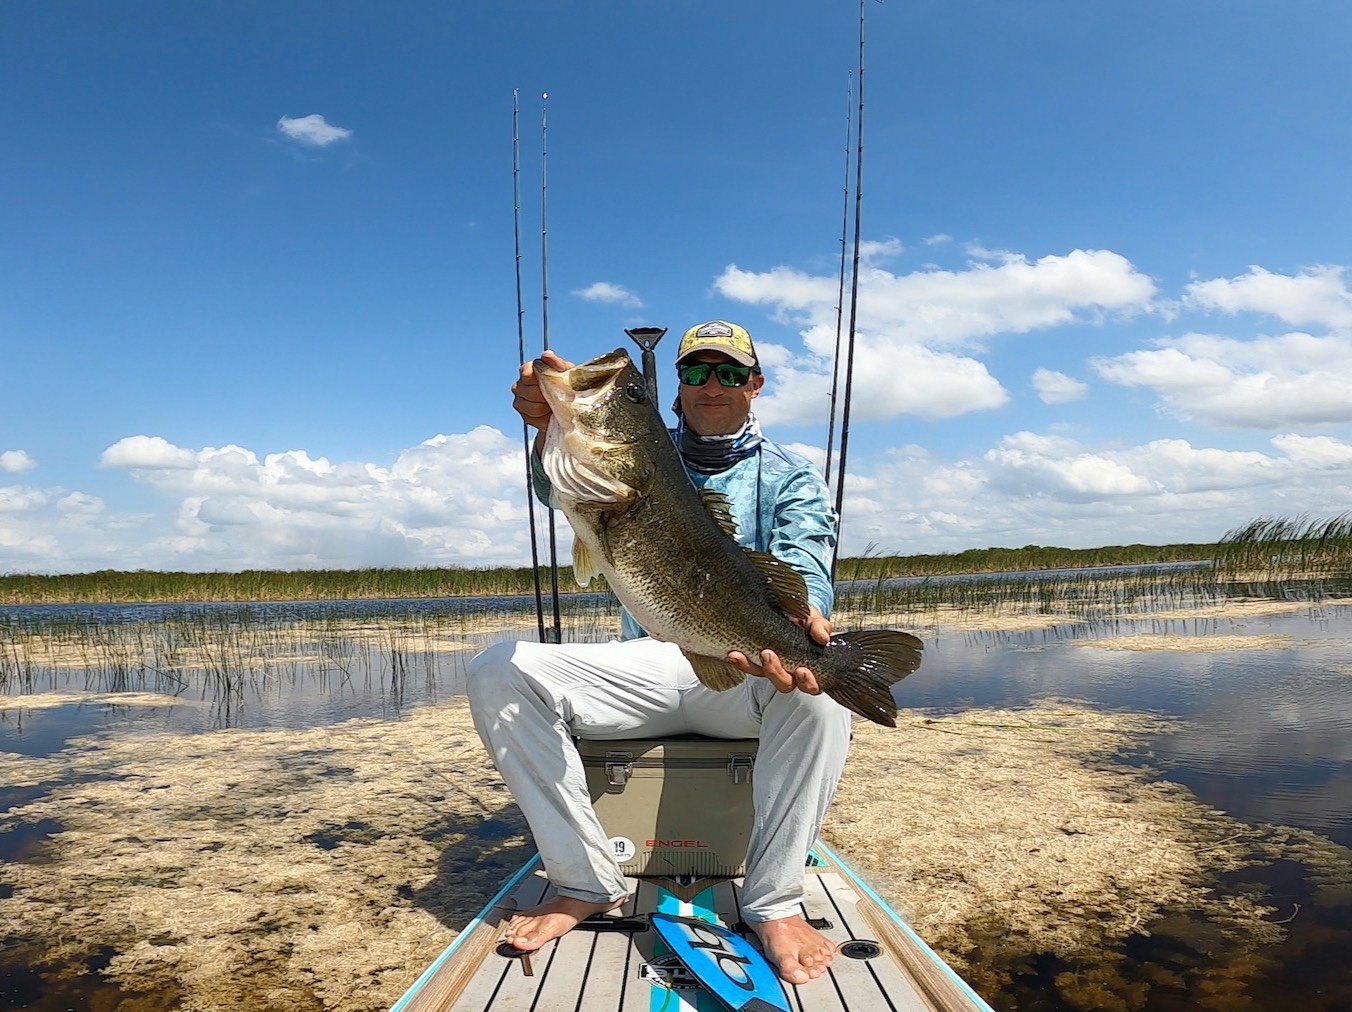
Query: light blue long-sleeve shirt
<point>781,505</point>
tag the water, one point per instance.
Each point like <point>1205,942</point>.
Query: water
<point>1266,736</point>
<point>1267,732</point>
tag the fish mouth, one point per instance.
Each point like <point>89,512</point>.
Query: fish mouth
<point>567,389</point>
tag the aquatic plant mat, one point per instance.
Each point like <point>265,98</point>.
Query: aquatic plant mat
<point>324,868</point>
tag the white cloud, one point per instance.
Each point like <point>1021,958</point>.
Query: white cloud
<point>1043,489</point>
<point>877,249</point>
<point>887,382</point>
<point>918,335</point>
<point>1317,452</point>
<point>453,499</point>
<point>313,130</point>
<point>459,499</point>
<point>1051,465</point>
<point>16,461</point>
<point>1317,295</point>
<point>1264,383</point>
<point>1057,388</point>
<point>146,452</point>
<point>604,291</point>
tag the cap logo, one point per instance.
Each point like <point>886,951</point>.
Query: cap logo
<point>714,329</point>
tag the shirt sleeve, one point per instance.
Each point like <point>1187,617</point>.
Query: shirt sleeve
<point>804,533</point>
<point>544,489</point>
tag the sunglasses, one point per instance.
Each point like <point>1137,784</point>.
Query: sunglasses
<point>696,374</point>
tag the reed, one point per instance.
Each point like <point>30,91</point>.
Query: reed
<point>1274,549</point>
<point>219,651</point>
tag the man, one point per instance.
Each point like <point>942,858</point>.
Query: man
<point>529,699</point>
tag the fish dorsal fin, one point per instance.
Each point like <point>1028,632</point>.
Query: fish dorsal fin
<point>785,583</point>
<point>715,672</point>
<point>584,563</point>
<point>718,507</point>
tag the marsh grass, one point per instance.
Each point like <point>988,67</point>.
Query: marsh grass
<point>253,585</point>
<point>220,651</point>
<point>227,649</point>
<point>1276,549</point>
<point>373,584</point>
<point>1086,594</point>
<point>1268,548</point>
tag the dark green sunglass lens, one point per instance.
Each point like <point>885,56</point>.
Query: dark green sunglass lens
<point>732,375</point>
<point>696,374</point>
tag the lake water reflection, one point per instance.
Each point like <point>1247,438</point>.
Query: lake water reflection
<point>1266,728</point>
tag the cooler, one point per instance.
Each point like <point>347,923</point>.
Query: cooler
<point>674,807</point>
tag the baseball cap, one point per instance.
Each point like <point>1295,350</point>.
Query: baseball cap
<point>721,336</point>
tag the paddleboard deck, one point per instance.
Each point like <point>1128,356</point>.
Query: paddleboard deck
<point>619,963</point>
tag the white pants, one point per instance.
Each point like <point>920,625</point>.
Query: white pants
<point>530,699</point>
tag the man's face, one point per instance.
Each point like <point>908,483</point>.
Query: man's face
<point>713,409</point>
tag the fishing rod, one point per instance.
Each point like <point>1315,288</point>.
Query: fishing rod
<point>555,633</point>
<point>521,360</point>
<point>854,293</point>
<point>840,287</point>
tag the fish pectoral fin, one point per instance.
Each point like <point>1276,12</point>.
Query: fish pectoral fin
<point>786,583</point>
<point>584,563</point>
<point>715,672</point>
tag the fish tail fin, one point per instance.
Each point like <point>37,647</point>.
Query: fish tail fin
<point>864,666</point>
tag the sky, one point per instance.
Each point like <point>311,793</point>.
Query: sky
<point>258,262</point>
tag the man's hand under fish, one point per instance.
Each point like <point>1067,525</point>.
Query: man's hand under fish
<point>802,679</point>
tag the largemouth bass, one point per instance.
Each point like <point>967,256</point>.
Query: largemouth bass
<point>668,549</point>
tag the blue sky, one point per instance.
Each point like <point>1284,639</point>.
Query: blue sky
<point>257,296</point>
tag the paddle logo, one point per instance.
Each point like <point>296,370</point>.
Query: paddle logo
<point>726,964</point>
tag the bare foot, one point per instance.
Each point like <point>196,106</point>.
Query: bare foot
<point>532,928</point>
<point>797,950</point>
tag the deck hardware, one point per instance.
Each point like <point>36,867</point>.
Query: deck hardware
<point>509,951</point>
<point>860,948</point>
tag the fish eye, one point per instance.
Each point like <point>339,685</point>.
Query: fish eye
<point>635,392</point>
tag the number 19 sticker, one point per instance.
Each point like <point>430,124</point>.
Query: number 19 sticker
<point>624,848</point>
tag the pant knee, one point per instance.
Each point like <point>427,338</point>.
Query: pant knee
<point>817,716</point>
<point>488,673</point>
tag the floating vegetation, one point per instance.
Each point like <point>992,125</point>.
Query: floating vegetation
<point>1009,836</point>
<point>251,870</point>
<point>317,868</point>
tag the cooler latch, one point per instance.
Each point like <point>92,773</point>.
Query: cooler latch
<point>619,767</point>
<point>740,765</point>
